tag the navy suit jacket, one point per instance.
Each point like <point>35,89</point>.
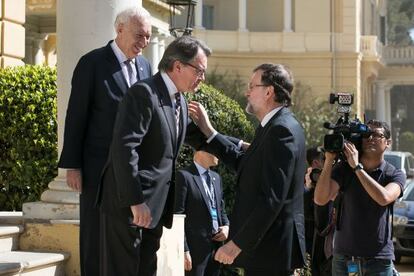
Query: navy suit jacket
<point>192,200</point>
<point>267,220</point>
<point>98,85</point>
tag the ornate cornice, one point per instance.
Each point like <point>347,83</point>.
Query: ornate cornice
<point>41,6</point>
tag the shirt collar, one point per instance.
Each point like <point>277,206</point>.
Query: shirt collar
<point>172,89</point>
<point>120,56</point>
<point>269,115</point>
<point>200,169</point>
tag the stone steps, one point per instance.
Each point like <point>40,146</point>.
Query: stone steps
<point>9,237</point>
<point>32,263</point>
<point>15,262</point>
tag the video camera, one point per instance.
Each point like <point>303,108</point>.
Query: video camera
<point>344,129</point>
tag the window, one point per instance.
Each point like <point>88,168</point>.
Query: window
<point>208,17</point>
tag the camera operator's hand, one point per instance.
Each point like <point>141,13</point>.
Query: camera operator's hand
<point>351,154</point>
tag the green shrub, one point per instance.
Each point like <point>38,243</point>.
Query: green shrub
<point>406,141</point>
<point>28,136</point>
<point>312,114</point>
<point>228,118</point>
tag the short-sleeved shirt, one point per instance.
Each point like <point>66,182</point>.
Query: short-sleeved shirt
<point>365,226</point>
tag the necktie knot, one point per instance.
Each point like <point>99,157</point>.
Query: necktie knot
<point>177,97</point>
<point>208,177</point>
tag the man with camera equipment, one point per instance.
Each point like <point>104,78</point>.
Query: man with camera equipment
<point>367,187</point>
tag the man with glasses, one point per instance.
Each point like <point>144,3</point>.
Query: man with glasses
<point>267,224</point>
<point>100,80</point>
<point>367,187</point>
<point>137,190</point>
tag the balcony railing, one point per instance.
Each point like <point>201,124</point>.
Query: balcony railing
<point>371,47</point>
<point>394,55</point>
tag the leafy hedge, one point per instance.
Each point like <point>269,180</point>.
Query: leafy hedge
<point>28,136</point>
<point>228,118</point>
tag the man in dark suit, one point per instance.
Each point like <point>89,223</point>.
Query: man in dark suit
<point>137,190</point>
<point>199,196</point>
<point>100,80</point>
<point>267,223</point>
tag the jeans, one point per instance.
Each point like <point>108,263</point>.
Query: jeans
<point>369,266</point>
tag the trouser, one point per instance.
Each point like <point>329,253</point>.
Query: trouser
<point>128,250</point>
<point>89,232</point>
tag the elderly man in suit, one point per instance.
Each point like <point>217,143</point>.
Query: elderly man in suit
<point>100,80</point>
<point>137,190</point>
<point>199,195</point>
<point>267,223</point>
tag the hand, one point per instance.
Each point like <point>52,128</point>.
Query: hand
<point>245,146</point>
<point>308,180</point>
<point>222,234</point>
<point>351,154</point>
<point>227,253</point>
<point>200,117</point>
<point>187,261</point>
<point>74,179</point>
<point>142,215</point>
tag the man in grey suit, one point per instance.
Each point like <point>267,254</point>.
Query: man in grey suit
<point>100,80</point>
<point>137,190</point>
<point>199,195</point>
<point>267,223</point>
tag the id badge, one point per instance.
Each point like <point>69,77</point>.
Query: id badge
<point>354,268</point>
<point>213,212</point>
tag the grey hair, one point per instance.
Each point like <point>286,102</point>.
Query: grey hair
<point>183,49</point>
<point>125,15</point>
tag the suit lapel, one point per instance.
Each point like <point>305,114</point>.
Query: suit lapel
<point>140,69</point>
<point>167,108</point>
<point>115,69</point>
<point>258,140</point>
<point>200,186</point>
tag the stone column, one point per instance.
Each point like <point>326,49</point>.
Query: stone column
<point>242,15</point>
<point>198,16</point>
<point>153,52</point>
<point>380,113</point>
<point>38,49</point>
<point>287,16</point>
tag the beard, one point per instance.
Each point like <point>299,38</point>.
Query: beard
<point>249,109</point>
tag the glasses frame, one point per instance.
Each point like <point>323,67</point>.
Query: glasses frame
<point>250,86</point>
<point>374,136</point>
<point>199,72</point>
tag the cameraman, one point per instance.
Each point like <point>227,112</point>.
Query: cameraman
<point>367,186</point>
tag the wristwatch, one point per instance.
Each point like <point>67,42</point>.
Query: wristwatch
<point>358,167</point>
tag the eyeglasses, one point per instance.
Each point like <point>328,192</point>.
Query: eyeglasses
<point>373,135</point>
<point>250,86</point>
<point>199,72</point>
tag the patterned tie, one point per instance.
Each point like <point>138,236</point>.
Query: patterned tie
<point>132,78</point>
<point>177,110</point>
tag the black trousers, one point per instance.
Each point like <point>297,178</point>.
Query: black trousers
<point>89,232</point>
<point>207,266</point>
<point>128,250</point>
